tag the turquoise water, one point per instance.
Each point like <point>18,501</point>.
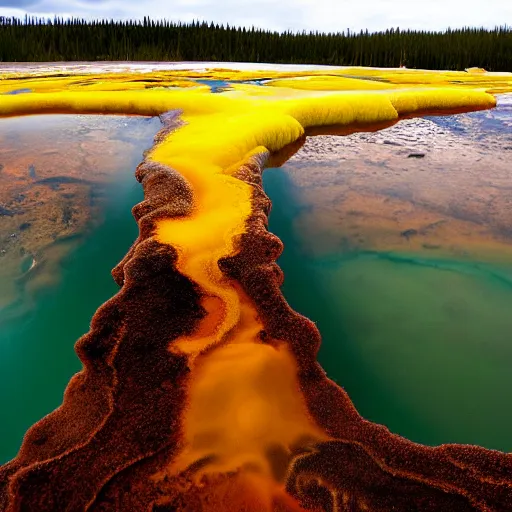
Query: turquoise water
<point>37,355</point>
<point>422,345</point>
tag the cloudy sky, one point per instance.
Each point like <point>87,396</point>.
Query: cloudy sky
<point>322,15</point>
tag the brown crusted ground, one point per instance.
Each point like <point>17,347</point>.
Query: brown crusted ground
<point>119,423</point>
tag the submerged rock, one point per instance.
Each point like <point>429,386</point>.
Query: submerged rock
<point>408,233</point>
<point>5,212</point>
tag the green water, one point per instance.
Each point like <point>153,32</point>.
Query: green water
<point>37,355</point>
<point>422,346</point>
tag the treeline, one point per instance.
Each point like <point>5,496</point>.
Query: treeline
<point>59,39</point>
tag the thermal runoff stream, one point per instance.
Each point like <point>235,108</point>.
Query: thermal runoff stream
<point>200,387</point>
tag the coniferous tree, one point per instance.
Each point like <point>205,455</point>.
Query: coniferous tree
<point>38,40</point>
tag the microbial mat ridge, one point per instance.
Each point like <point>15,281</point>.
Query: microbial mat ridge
<point>200,388</point>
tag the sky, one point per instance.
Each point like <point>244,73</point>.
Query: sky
<point>281,15</point>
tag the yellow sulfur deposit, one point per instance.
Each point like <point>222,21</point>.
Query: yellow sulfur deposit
<point>331,83</point>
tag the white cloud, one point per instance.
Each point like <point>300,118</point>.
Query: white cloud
<point>322,15</point>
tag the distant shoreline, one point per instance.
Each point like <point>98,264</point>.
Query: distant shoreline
<point>118,66</point>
